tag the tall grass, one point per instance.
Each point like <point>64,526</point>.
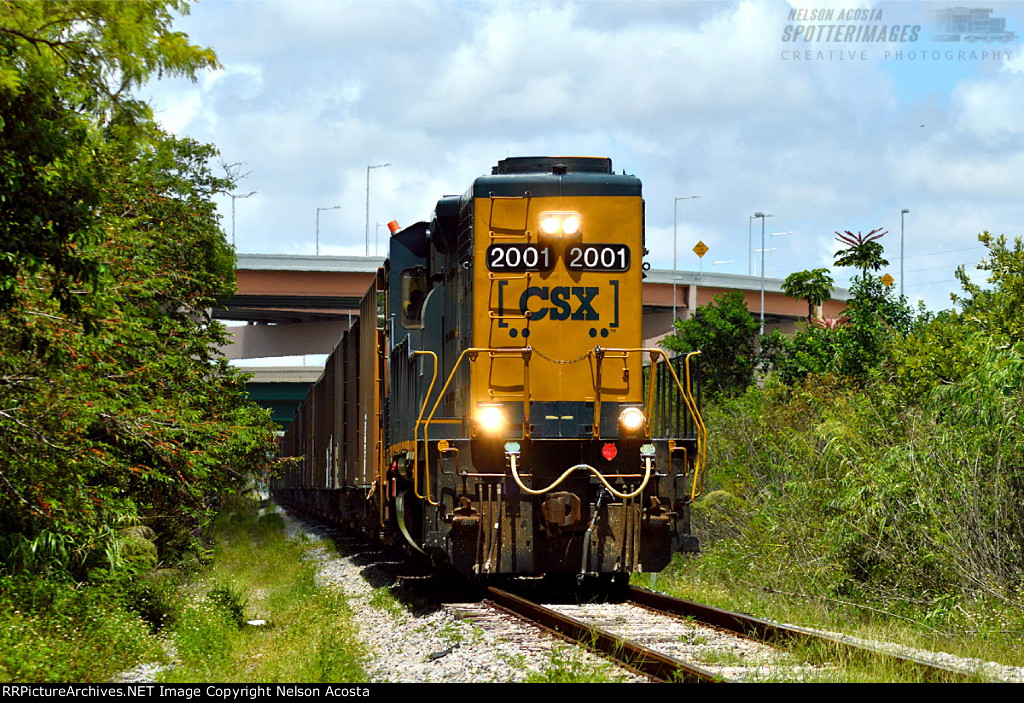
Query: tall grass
<point>54,631</point>
<point>836,504</point>
<point>61,631</point>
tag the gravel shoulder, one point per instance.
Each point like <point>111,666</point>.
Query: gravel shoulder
<point>455,643</point>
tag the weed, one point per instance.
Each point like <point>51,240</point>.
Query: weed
<point>567,665</point>
<point>229,600</point>
<point>385,600</point>
<point>720,657</point>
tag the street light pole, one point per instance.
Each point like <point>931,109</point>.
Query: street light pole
<point>335,207</point>
<point>762,216</point>
<point>233,199</point>
<point>903,212</point>
<point>368,203</point>
<point>750,246</point>
<point>675,218</point>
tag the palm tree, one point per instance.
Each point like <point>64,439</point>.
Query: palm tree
<point>813,286</point>
<point>862,250</point>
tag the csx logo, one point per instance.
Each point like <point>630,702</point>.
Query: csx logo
<point>567,302</point>
<point>562,303</point>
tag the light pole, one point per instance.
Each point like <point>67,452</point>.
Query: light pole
<point>714,264</point>
<point>903,212</point>
<point>750,246</point>
<point>771,254</point>
<point>368,203</point>
<point>762,216</point>
<point>233,199</point>
<point>675,229</point>
<point>335,207</point>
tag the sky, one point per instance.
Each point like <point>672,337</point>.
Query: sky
<point>829,116</point>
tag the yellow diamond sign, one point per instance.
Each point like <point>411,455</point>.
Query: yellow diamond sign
<point>701,249</point>
<point>887,279</point>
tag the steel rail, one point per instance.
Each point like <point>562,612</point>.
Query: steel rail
<point>767,631</point>
<point>631,655</point>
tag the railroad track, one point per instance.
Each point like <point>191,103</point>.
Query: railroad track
<point>656,635</point>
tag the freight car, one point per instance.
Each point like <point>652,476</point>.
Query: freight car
<point>493,408</point>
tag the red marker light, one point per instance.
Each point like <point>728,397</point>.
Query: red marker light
<point>609,451</point>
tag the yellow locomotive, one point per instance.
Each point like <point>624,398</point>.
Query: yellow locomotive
<point>494,408</point>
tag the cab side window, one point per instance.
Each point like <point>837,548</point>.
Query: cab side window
<point>414,291</point>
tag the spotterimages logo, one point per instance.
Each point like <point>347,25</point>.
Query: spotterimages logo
<point>830,25</point>
<point>857,34</point>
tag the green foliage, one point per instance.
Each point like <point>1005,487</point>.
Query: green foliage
<point>568,666</point>
<point>863,251</point>
<point>855,347</point>
<point>880,471</point>
<point>997,311</point>
<point>726,335</point>
<point>66,69</point>
<point>941,351</point>
<point>824,490</point>
<point>230,601</point>
<point>310,635</point>
<point>814,286</point>
<point>53,632</point>
<point>119,420</point>
<point>138,423</point>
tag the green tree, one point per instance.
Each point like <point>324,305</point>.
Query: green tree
<point>814,286</point>
<point>142,419</point>
<point>66,72</point>
<point>853,346</point>
<point>863,251</point>
<point>726,334</point>
<point>998,310</point>
<point>118,417</point>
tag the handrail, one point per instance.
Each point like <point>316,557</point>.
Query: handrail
<point>416,439</point>
<point>599,355</point>
<point>702,430</point>
<point>691,406</point>
<point>473,352</point>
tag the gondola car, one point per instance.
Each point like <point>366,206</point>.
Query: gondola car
<point>494,408</point>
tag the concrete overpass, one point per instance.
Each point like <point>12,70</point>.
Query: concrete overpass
<point>294,305</point>
<point>299,305</point>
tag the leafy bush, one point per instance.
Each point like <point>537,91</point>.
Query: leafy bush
<point>726,335</point>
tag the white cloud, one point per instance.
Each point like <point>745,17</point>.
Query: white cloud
<point>693,97</point>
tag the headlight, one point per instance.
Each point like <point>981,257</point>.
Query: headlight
<point>571,224</point>
<point>555,224</point>
<point>550,224</point>
<point>631,419</point>
<point>491,419</point>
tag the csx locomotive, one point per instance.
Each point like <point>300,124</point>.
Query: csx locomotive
<point>494,408</point>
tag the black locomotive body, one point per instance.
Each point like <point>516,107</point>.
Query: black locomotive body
<point>494,408</point>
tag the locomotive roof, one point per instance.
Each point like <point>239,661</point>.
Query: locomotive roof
<point>546,176</point>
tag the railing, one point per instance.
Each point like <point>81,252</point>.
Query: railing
<point>682,411</point>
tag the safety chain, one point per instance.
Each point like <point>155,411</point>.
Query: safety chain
<point>544,356</point>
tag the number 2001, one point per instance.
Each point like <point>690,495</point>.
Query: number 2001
<point>586,257</point>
